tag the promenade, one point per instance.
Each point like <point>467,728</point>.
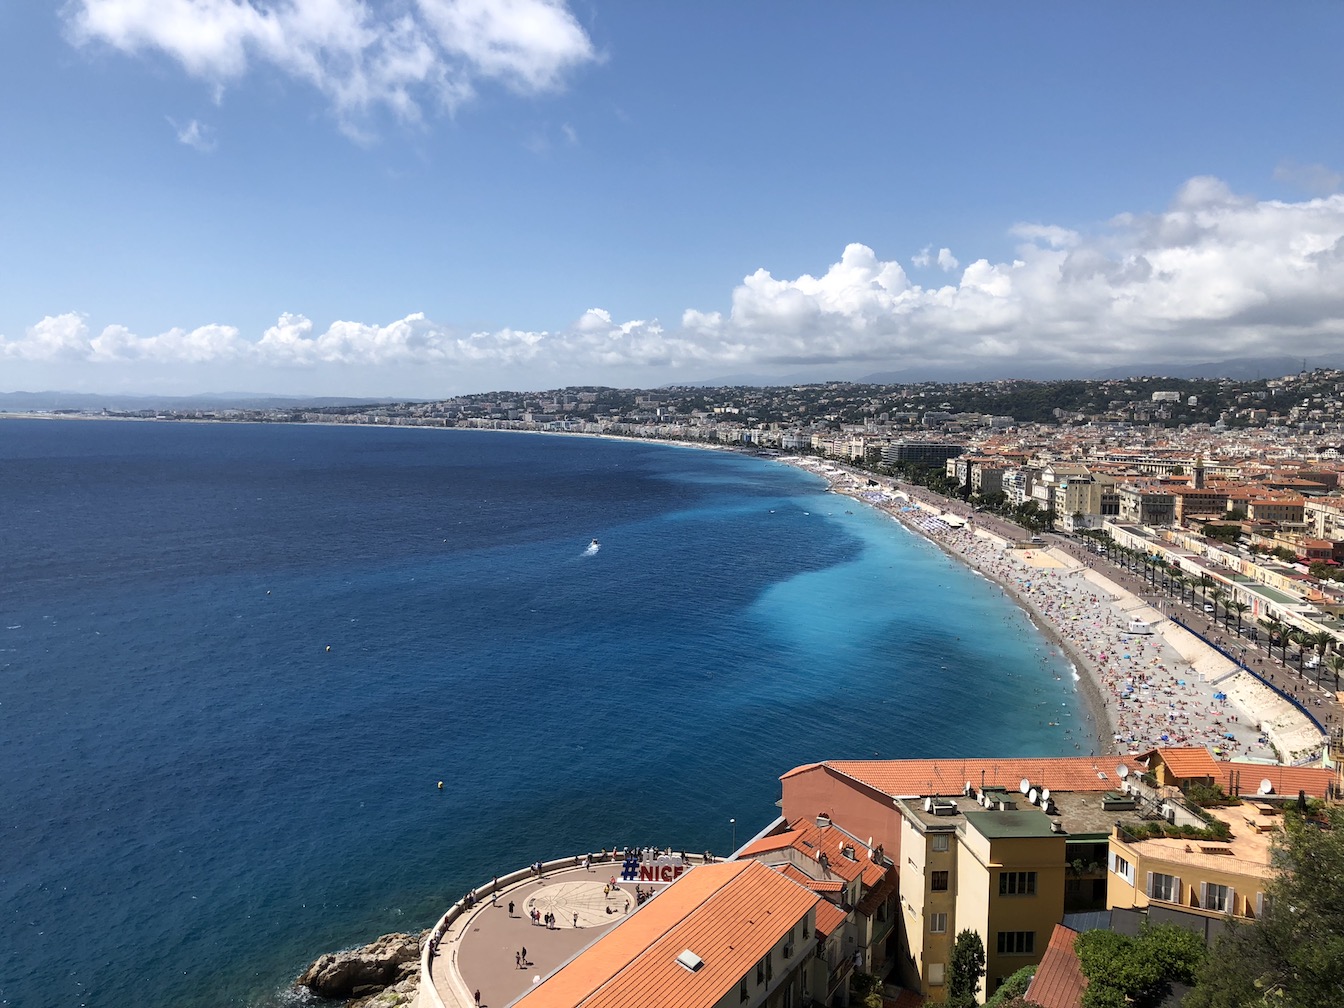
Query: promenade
<point>1166,688</point>
<point>478,944</point>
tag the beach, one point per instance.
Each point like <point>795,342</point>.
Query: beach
<point>1147,681</point>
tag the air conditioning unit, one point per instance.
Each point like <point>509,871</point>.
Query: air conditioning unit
<point>788,950</point>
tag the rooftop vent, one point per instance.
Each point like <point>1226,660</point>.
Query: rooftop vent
<point>823,820</point>
<point>944,807</point>
<point>1114,801</point>
<point>690,960</point>
<point>1056,826</point>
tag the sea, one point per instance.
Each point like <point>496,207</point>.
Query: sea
<point>237,660</point>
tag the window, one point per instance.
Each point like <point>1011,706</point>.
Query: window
<point>742,994</point>
<point>1122,867</point>
<point>940,841</point>
<point>1166,888</point>
<point>1017,883</point>
<point>936,974</point>
<point>1017,942</point>
<point>938,881</point>
<point>760,972</point>
<point>938,923</point>
<point>1215,897</point>
<point>1261,904</point>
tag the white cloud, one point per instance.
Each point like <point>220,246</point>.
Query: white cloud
<point>947,262</point>
<point>55,338</point>
<point>362,58</point>
<point>1316,179</point>
<point>195,135</point>
<point>1216,275</point>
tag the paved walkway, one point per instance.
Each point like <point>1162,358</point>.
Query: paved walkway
<point>479,950</point>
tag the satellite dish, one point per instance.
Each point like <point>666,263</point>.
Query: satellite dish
<point>928,804</point>
<point>1122,771</point>
<point>1045,794</point>
<point>984,799</point>
<point>1266,786</point>
<point>967,789</point>
<point>1024,785</point>
<point>1033,796</point>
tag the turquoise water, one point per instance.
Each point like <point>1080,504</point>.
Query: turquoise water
<point>202,797</point>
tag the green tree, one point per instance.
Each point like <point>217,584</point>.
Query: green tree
<point>1137,972</point>
<point>1012,989</point>
<point>1293,955</point>
<point>965,970</point>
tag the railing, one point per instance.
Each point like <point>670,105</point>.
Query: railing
<point>1237,661</point>
<point>428,995</point>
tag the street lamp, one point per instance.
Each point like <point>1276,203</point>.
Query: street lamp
<point>733,824</point>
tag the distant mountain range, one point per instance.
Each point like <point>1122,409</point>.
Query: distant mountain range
<point>1239,368</point>
<point>26,401</point>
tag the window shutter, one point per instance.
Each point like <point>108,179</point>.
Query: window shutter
<point>1203,894</point>
<point>1150,885</point>
<point>1110,860</point>
<point>1259,904</point>
<point>1176,896</point>
<point>1231,901</point>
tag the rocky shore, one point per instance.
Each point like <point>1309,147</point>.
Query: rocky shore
<point>383,974</point>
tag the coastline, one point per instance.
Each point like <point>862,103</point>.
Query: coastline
<point>1113,695</point>
<point>1159,687</point>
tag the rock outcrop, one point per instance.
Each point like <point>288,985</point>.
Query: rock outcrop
<point>393,961</point>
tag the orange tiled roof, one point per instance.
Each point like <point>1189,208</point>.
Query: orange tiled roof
<point>829,917</point>
<point>718,911</point>
<point>773,842</point>
<point>1186,762</point>
<point>873,873</point>
<point>1059,981</point>
<point>877,896</point>
<point>910,778</point>
<point>1315,781</point>
<point>804,879</point>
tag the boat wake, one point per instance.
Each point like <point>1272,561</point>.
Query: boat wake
<point>593,547</point>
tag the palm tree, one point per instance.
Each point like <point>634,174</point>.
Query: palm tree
<point>1276,628</point>
<point>1219,597</point>
<point>1240,608</point>
<point>1335,663</point>
<point>1205,583</point>
<point>1178,584</point>
<point>1299,639</point>
<point>1321,641</point>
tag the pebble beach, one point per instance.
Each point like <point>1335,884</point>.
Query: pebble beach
<point>1148,682</point>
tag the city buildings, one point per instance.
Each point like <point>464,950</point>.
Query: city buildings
<point>728,935</point>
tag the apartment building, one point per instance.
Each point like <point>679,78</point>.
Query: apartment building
<point>1001,847</point>
<point>857,884</point>
<point>728,935</point>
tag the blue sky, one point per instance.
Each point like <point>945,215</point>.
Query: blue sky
<point>438,196</point>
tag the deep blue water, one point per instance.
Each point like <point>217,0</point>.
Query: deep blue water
<point>198,797</point>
